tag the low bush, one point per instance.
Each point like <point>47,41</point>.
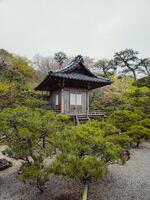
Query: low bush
<point>138,133</point>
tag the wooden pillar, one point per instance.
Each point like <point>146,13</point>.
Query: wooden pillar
<point>62,101</point>
<point>87,102</point>
<point>62,96</point>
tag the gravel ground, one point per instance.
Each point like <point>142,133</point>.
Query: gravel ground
<point>128,182</point>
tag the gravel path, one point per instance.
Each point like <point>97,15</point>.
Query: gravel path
<point>128,182</point>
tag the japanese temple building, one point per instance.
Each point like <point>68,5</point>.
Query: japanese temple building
<point>69,88</point>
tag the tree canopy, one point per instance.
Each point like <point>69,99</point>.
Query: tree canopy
<point>128,60</point>
<point>105,67</point>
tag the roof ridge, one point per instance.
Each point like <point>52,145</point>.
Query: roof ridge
<point>72,65</point>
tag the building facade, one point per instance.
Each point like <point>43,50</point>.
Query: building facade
<point>69,88</point>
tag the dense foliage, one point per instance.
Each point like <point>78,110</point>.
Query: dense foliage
<point>48,143</point>
<point>84,152</point>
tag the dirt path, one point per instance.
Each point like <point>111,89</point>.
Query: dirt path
<point>128,182</point>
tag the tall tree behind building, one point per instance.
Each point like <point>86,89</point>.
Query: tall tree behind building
<point>60,58</point>
<point>105,67</point>
<point>128,61</point>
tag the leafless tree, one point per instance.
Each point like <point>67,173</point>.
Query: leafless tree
<point>89,62</point>
<point>44,63</point>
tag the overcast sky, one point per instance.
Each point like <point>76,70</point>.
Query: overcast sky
<point>96,28</point>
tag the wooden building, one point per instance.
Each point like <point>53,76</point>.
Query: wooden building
<point>69,88</point>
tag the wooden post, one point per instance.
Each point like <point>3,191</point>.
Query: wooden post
<point>87,102</point>
<point>62,101</point>
<point>85,192</point>
<point>62,96</point>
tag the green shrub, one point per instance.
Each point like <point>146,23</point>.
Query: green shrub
<point>124,119</point>
<point>143,82</point>
<point>138,133</point>
<point>78,146</point>
<point>122,139</point>
<point>145,123</point>
<point>28,133</point>
<point>105,127</point>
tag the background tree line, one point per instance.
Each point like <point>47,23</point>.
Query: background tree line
<point>124,62</point>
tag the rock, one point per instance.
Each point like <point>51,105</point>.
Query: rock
<point>4,164</point>
<point>22,168</point>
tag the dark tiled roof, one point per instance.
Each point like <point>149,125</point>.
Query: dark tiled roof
<point>74,71</point>
<point>78,60</point>
<point>77,76</point>
<point>69,72</point>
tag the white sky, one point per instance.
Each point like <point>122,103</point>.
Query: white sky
<point>96,28</point>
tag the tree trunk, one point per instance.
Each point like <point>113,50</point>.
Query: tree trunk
<point>148,72</point>
<point>137,144</point>
<point>27,159</point>
<point>134,75</point>
<point>128,154</point>
<point>85,192</point>
<point>39,187</point>
<point>43,142</point>
<point>130,144</point>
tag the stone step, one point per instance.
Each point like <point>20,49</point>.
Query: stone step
<point>82,116</point>
<point>83,119</point>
